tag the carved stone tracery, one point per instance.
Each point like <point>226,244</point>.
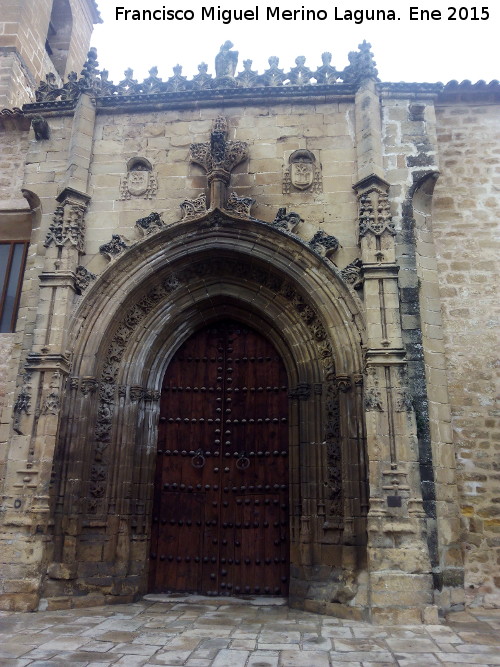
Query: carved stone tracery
<point>375,213</point>
<point>67,227</point>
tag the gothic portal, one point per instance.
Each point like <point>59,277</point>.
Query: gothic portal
<point>232,333</point>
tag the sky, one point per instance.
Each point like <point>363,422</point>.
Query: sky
<point>459,41</point>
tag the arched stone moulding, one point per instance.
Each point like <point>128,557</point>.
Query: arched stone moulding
<point>124,333</point>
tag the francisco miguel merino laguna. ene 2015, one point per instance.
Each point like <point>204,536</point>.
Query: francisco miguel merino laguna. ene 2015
<point>226,16</point>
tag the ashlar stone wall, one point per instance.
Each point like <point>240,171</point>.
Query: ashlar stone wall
<point>272,133</point>
<point>465,225</point>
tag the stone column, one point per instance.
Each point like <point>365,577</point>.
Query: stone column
<point>400,587</point>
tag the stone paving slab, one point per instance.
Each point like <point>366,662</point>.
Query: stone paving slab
<point>194,631</point>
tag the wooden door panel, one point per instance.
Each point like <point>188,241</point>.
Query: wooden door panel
<point>222,463</point>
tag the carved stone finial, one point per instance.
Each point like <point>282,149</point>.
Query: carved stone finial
<point>153,83</point>
<point>249,77</point>
<point>202,80</point>
<point>177,82</point>
<point>128,85</point>
<point>89,71</point>
<point>361,65</point>
<point>326,73</point>
<point>274,76</point>
<point>299,75</point>
<point>47,90</point>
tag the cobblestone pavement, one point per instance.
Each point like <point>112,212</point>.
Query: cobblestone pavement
<point>206,632</point>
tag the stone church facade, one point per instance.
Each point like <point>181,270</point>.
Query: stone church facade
<point>248,331</point>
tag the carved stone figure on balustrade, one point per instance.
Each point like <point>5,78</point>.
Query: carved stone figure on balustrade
<point>226,61</point>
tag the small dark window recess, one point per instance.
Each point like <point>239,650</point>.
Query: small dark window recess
<point>12,263</point>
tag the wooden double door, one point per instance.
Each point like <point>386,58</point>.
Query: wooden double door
<point>220,518</point>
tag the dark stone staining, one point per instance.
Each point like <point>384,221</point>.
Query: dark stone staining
<point>420,160</point>
<point>412,337</point>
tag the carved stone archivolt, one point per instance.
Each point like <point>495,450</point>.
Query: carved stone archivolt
<point>302,173</point>
<point>333,453</point>
<point>140,181</point>
<point>124,333</point>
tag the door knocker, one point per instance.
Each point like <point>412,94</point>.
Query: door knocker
<point>198,460</point>
<point>243,462</point>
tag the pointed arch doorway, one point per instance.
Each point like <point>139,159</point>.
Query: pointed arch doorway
<point>220,511</point>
